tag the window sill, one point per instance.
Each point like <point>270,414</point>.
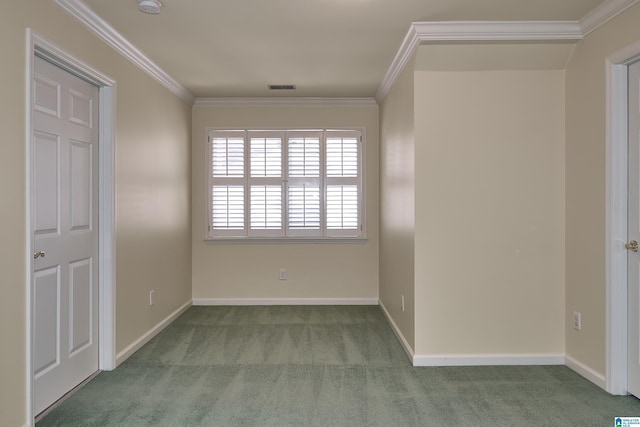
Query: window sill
<point>287,240</point>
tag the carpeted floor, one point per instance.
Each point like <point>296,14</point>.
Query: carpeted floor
<point>320,366</point>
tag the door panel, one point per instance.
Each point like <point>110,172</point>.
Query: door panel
<point>46,93</point>
<point>80,295</point>
<point>46,182</point>
<point>47,296</point>
<point>81,109</point>
<point>81,188</point>
<point>633,261</point>
<point>65,211</point>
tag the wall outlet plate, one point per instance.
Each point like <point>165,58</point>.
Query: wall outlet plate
<point>577,321</point>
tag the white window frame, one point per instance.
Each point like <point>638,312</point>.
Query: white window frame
<point>285,234</point>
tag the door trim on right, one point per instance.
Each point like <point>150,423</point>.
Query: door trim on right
<point>38,45</point>
<point>616,216</point>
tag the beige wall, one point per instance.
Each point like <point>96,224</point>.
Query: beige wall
<point>153,204</point>
<point>489,235</point>
<point>153,199</point>
<point>250,270</point>
<point>397,215</point>
<point>586,180</point>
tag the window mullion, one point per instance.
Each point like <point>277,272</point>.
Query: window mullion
<point>323,192</point>
<point>285,184</point>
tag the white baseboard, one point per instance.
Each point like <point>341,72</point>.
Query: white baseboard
<point>285,301</point>
<point>405,345</point>
<point>488,360</point>
<point>586,372</point>
<point>137,344</point>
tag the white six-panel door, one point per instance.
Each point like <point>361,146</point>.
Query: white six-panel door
<point>64,198</point>
<point>633,263</point>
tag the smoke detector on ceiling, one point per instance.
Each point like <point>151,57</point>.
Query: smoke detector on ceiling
<point>149,6</point>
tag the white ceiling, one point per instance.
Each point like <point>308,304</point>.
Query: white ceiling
<point>327,48</point>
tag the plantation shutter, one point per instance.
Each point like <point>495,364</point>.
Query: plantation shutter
<point>266,184</point>
<point>285,183</point>
<point>227,202</point>
<point>304,202</point>
<point>342,183</point>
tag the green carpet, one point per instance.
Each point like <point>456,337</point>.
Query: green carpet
<point>320,366</point>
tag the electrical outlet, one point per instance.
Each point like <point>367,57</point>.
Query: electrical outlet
<point>152,297</point>
<point>402,299</point>
<point>577,321</point>
<point>283,274</point>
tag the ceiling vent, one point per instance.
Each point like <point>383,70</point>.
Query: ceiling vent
<point>282,87</point>
<point>149,6</point>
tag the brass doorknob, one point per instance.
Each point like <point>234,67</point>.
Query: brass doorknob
<point>632,246</point>
<point>42,253</point>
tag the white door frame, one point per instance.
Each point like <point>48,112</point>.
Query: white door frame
<point>616,213</point>
<point>37,44</point>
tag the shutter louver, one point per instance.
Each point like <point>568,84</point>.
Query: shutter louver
<point>228,157</point>
<point>342,183</point>
<point>265,182</point>
<point>304,207</point>
<point>304,157</point>
<point>266,207</point>
<point>342,157</point>
<point>342,207</point>
<point>303,168</point>
<point>227,208</point>
<point>266,157</point>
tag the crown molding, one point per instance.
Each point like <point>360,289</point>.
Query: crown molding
<point>285,102</point>
<point>474,31</point>
<point>470,31</point>
<point>404,54</point>
<point>603,13</point>
<point>419,32</point>
<point>424,32</point>
<point>83,13</point>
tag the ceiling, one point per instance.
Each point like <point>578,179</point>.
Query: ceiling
<point>327,48</point>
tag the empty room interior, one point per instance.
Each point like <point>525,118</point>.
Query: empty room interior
<point>320,194</point>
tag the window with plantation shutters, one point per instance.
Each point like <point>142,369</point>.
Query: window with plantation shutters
<point>285,184</point>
